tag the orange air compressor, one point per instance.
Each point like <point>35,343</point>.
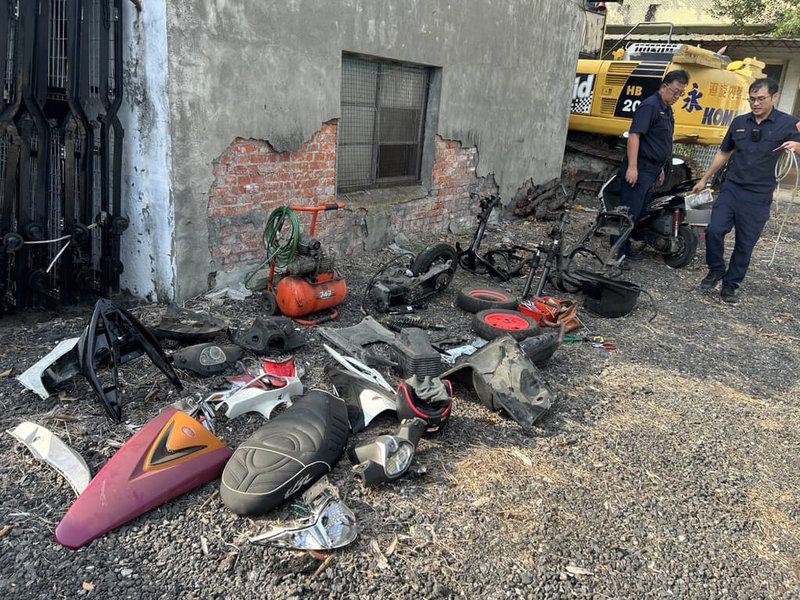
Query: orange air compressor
<point>311,282</point>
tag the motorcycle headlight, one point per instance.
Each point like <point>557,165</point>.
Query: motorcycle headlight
<point>387,457</point>
<point>398,463</point>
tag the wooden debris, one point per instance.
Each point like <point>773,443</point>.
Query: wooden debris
<point>541,201</point>
<point>322,567</point>
<point>210,498</point>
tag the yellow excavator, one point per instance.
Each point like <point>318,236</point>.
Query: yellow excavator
<point>606,93</point>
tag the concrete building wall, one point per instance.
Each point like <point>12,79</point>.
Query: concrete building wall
<point>270,71</point>
<point>147,246</point>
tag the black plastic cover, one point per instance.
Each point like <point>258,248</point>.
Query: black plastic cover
<point>270,334</point>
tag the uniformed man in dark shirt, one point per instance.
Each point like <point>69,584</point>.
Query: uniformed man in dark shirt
<point>746,195</point>
<point>650,146</point>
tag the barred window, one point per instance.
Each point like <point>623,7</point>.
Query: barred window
<point>381,129</point>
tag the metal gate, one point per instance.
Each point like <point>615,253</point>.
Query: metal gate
<point>60,151</point>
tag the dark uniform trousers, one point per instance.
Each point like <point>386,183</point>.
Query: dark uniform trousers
<point>745,211</point>
<point>637,196</point>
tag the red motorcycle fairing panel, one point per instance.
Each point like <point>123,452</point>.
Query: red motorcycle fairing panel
<point>169,456</point>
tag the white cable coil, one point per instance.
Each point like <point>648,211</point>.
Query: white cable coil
<point>783,167</point>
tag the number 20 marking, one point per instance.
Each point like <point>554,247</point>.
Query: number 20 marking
<point>629,105</point>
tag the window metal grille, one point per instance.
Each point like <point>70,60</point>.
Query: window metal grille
<point>381,130</point>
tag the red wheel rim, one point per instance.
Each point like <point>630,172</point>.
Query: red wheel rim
<point>507,322</point>
<point>489,295</point>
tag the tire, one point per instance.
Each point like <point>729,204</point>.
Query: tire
<point>440,253</point>
<point>685,256</point>
<point>477,298</point>
<point>494,322</point>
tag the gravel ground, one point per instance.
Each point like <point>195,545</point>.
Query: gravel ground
<point>667,468</point>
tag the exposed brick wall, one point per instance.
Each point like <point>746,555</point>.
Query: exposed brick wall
<point>252,179</point>
<point>454,176</point>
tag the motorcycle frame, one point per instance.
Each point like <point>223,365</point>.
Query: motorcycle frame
<point>472,260</point>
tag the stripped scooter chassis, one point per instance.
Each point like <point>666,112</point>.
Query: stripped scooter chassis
<point>169,456</point>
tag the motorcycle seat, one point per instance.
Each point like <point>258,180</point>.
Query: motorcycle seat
<point>287,455</point>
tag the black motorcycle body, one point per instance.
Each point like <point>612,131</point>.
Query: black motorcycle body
<point>663,226</point>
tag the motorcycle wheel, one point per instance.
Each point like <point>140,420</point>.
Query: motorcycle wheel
<point>494,322</point>
<point>686,254</point>
<point>477,298</point>
<point>440,253</point>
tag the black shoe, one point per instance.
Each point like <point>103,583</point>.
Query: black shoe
<point>710,281</point>
<point>728,294</point>
<point>634,257</point>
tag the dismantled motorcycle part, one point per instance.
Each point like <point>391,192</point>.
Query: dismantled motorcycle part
<point>477,298</point>
<point>504,377</point>
<point>202,411</point>
<point>359,369</point>
<point>388,457</point>
<point>607,297</point>
<point>59,365</point>
<point>188,326</point>
<point>330,525</point>
<point>286,455</point>
<point>397,324</point>
<point>353,341</point>
<point>48,448</point>
<point>451,355</point>
<point>207,359</point>
<point>429,399</point>
<point>415,355</point>
<point>539,348</point>
<point>116,336</point>
<point>255,398</point>
<point>396,285</point>
<point>268,368</point>
<point>496,322</point>
<point>169,456</point>
<point>270,334</point>
<point>365,400</point>
<point>112,338</point>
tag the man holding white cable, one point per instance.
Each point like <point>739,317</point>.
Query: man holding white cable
<point>746,195</point>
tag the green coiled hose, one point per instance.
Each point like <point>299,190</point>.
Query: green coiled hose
<point>282,251</point>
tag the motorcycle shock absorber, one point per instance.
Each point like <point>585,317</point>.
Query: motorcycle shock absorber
<point>676,222</point>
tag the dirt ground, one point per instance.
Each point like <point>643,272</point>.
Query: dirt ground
<point>666,468</point>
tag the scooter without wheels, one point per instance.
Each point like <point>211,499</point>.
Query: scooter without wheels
<point>502,262</point>
<point>663,226</point>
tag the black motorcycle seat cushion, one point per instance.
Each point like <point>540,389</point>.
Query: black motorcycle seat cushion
<point>286,455</point>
